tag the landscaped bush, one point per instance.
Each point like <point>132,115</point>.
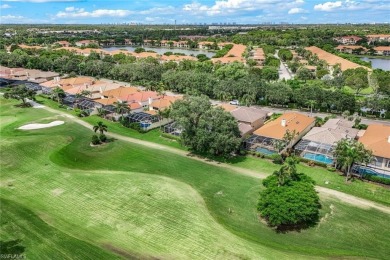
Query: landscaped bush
<point>103,138</point>
<point>169,136</point>
<point>276,158</point>
<point>95,140</point>
<point>376,179</point>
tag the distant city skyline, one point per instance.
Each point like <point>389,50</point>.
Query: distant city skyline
<point>194,12</point>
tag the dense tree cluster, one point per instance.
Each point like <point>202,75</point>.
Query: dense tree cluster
<point>206,129</point>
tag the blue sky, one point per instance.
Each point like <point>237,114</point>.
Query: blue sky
<point>194,11</point>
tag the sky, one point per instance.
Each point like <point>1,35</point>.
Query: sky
<point>194,11</point>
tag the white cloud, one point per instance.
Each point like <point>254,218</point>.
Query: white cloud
<point>297,10</point>
<point>81,13</point>
<point>5,6</point>
<point>347,5</point>
<point>70,9</point>
<point>224,7</point>
<point>328,6</point>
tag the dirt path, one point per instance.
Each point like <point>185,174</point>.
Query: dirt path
<point>350,199</point>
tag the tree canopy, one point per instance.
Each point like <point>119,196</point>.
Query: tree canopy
<point>206,129</point>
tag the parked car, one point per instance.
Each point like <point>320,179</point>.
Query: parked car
<point>234,102</point>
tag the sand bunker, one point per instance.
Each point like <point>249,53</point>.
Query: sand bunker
<point>39,126</point>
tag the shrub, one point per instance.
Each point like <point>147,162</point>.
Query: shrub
<point>376,179</point>
<point>95,140</point>
<point>103,138</point>
<point>292,205</point>
<point>169,136</point>
<point>276,158</point>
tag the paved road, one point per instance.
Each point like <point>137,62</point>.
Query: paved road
<point>284,73</point>
<point>350,199</point>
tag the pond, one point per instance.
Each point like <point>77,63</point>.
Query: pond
<point>378,63</point>
<point>161,50</point>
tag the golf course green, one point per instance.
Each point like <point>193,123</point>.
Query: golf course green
<point>64,199</point>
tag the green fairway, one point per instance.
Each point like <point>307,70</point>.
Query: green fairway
<point>132,201</point>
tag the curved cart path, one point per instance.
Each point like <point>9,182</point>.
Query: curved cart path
<point>347,198</point>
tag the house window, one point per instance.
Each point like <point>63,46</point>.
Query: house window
<point>388,163</point>
<point>377,162</point>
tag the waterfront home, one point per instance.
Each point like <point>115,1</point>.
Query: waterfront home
<point>382,50</point>
<point>318,144</point>
<point>351,49</point>
<point>333,60</point>
<point>85,43</point>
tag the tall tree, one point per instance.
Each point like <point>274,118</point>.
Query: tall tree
<point>100,127</point>
<point>349,152</point>
<point>59,94</point>
<point>21,93</point>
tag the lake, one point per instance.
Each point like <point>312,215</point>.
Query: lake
<point>378,63</point>
<point>164,50</point>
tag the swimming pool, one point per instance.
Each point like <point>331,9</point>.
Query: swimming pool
<point>318,158</point>
<point>264,150</point>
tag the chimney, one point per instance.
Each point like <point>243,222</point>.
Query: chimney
<point>283,122</point>
<point>57,79</point>
<point>388,139</point>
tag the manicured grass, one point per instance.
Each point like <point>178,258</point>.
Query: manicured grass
<point>320,175</point>
<point>140,202</point>
<point>40,240</point>
<point>358,188</point>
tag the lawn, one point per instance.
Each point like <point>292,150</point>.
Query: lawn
<point>137,202</point>
<point>320,175</point>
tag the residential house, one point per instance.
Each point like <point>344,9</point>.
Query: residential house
<point>176,58</point>
<point>248,118</point>
<point>234,55</point>
<point>180,44</point>
<point>144,98</point>
<point>258,56</point>
<point>129,42</point>
<point>267,138</point>
<point>319,143</point>
<point>333,60</point>
<point>378,38</point>
<point>348,40</point>
<point>163,103</point>
<point>382,50</point>
<point>205,45</point>
<point>191,37</point>
<point>119,92</point>
<point>351,49</point>
<point>377,139</point>
<point>85,43</point>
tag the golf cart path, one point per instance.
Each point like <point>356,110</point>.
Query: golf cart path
<point>350,199</point>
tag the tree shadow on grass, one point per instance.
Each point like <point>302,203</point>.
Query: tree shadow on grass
<point>283,229</point>
<point>12,247</point>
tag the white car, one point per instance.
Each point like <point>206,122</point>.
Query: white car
<point>234,102</point>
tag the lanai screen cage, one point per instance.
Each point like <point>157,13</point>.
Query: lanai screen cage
<point>305,146</point>
<point>255,142</point>
<point>87,105</point>
<point>144,119</point>
<point>33,86</point>
<point>69,100</point>
<point>173,129</point>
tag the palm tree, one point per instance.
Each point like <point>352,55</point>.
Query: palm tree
<point>101,112</point>
<point>288,138</point>
<point>311,103</point>
<point>349,152</point>
<point>121,108</point>
<point>287,171</point>
<point>100,127</point>
<point>59,94</point>
<point>278,145</point>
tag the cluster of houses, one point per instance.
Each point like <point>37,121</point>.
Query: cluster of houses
<point>235,54</point>
<point>309,142</point>
<point>92,95</point>
<point>333,60</point>
<point>348,44</point>
<point>318,143</point>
